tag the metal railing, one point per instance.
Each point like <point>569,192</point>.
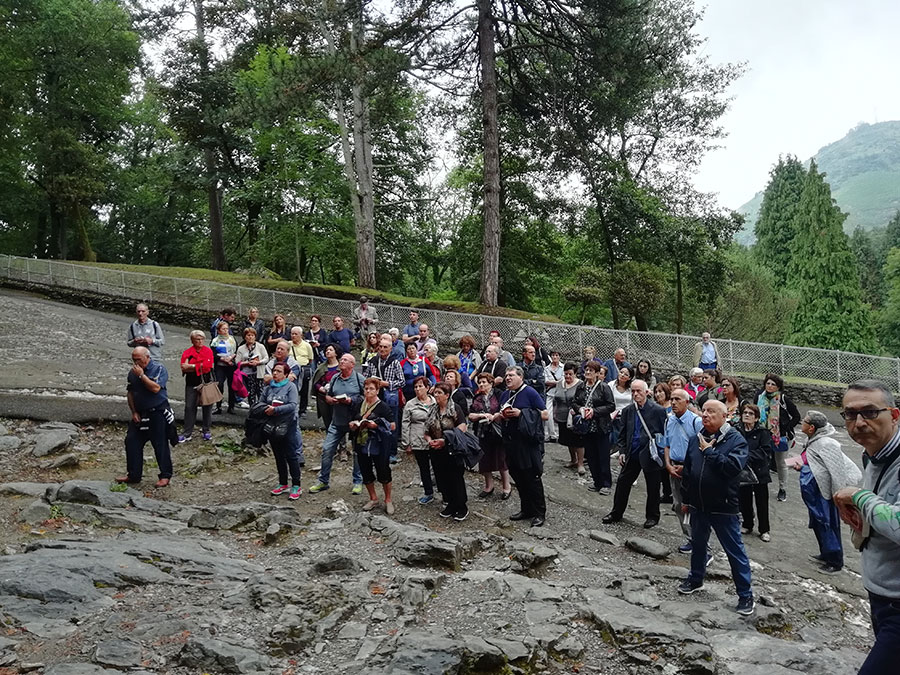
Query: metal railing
<point>665,351</point>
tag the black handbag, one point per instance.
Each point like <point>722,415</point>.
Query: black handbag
<point>277,431</point>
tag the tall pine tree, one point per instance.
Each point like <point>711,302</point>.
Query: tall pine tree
<point>823,272</point>
<point>775,226</point>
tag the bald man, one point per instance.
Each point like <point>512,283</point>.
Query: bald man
<point>150,416</point>
<point>710,485</point>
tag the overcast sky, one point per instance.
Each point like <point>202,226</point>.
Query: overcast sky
<point>816,68</point>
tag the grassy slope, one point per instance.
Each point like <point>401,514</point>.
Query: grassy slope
<point>342,292</point>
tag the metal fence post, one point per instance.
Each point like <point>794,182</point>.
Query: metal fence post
<point>731,354</point>
<point>781,352</point>
<point>839,367</point>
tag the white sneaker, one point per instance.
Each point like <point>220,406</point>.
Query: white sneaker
<point>243,404</point>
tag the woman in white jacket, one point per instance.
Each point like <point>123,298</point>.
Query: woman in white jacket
<point>824,469</point>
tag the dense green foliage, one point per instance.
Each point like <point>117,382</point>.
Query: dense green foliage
<point>303,139</point>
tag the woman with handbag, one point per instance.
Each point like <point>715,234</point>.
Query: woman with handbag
<point>450,473</point>
<point>593,404</point>
<point>251,359</point>
<point>824,469</point>
<point>563,398</point>
<point>779,415</point>
<point>484,406</point>
<point>371,426</point>
<point>755,478</point>
<point>199,386</point>
<point>283,431</point>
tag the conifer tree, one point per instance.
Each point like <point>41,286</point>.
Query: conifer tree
<point>775,225</point>
<point>823,273</point>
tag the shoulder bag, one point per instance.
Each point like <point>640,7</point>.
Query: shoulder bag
<point>208,392</point>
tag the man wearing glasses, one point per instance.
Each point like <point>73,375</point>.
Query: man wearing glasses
<point>874,513</point>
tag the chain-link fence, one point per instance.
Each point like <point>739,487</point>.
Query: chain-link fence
<point>665,351</point>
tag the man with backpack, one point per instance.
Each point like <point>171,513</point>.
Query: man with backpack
<point>340,393</point>
<point>145,332</point>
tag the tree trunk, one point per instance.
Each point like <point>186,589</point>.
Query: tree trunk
<point>358,157</point>
<point>59,243</point>
<point>215,212</point>
<point>490,266</point>
<point>217,237</point>
<point>679,300</point>
<point>362,152</point>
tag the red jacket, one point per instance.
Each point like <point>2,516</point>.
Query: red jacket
<point>203,359</point>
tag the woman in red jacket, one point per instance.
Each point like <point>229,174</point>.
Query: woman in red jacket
<point>196,364</point>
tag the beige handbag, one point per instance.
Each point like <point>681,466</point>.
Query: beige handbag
<point>208,392</point>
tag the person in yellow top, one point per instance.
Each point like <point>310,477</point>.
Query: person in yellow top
<point>302,352</point>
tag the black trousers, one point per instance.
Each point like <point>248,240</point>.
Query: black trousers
<point>450,477</point>
<point>224,374</point>
<point>135,439</point>
<point>596,452</point>
<point>374,467</point>
<point>531,490</point>
<point>303,389</point>
<point>629,474</point>
<point>760,494</point>
<point>423,459</point>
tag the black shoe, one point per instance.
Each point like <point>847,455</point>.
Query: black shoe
<point>782,495</point>
<point>666,499</point>
<point>217,411</point>
<point>461,515</point>
<point>650,523</point>
<point>519,516</point>
<point>446,512</point>
<point>610,518</point>
<point>485,493</point>
<point>537,521</point>
<point>686,587</point>
<point>593,488</point>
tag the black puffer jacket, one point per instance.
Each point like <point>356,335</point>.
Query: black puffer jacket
<point>759,449</point>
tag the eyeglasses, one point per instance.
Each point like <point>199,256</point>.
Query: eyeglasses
<point>868,414</point>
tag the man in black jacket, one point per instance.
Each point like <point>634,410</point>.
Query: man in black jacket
<point>534,370</point>
<point>710,483</point>
<point>642,421</point>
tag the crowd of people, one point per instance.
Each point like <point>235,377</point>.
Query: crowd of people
<point>700,443</point>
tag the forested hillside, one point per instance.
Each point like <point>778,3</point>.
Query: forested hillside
<point>863,169</point>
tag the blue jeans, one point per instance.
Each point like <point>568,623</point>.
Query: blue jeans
<point>332,438</point>
<point>728,532</point>
<point>886,624</point>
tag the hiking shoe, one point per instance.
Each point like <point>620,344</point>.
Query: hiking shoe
<point>426,499</point>
<point>686,587</point>
<point>185,439</point>
<point>207,436</point>
<point>296,491</point>
<point>446,512</point>
<point>319,487</point>
<point>782,495</point>
<point>281,489</point>
<point>745,606</point>
<point>461,515</point>
<point>355,490</point>
<point>828,568</point>
<point>686,548</point>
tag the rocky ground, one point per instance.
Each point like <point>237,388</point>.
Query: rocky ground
<point>214,575</point>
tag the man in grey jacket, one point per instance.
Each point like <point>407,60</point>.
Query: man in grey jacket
<point>145,332</point>
<point>874,513</point>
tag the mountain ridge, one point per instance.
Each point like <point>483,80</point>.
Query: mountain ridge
<point>863,170</point>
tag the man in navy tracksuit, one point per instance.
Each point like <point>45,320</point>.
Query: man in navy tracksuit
<point>710,483</point>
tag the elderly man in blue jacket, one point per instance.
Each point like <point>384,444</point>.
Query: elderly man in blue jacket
<point>710,483</point>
